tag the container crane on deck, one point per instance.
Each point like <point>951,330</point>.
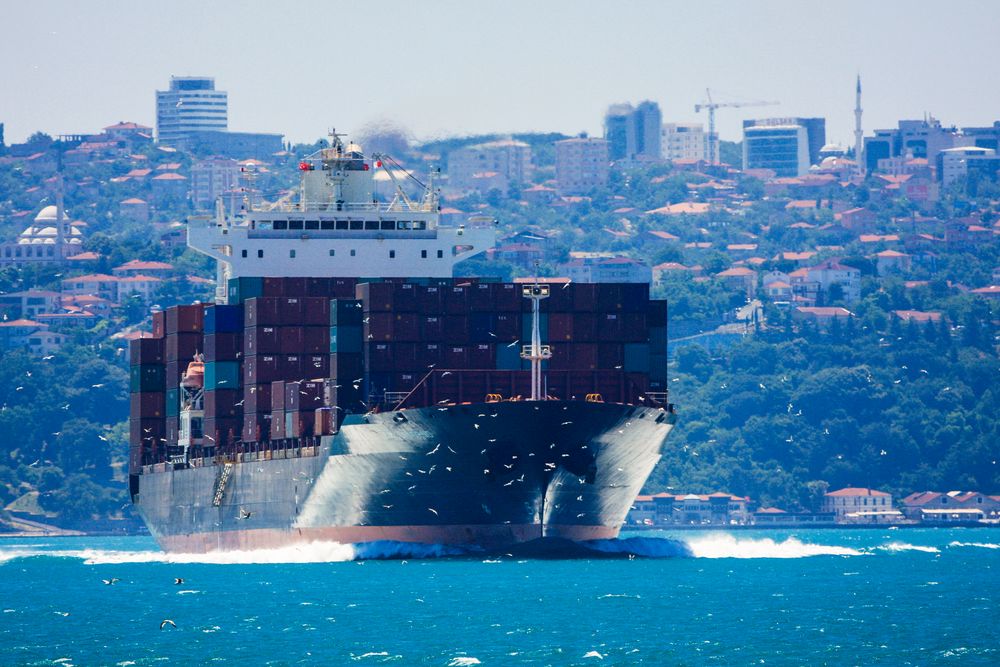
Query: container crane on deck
<point>713,139</point>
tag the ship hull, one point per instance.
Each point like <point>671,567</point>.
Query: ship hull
<point>481,475</point>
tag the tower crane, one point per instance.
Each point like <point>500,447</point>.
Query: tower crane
<point>713,139</point>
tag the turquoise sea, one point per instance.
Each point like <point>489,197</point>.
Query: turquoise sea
<point>822,597</point>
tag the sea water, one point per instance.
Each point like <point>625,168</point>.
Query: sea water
<point>835,597</point>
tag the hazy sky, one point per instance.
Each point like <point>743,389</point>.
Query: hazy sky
<point>452,68</point>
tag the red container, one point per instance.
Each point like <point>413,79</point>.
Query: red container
<point>432,327</point>
<point>610,356</point>
<point>407,357</point>
<point>185,319</point>
<point>257,399</point>
<point>261,368</point>
<point>316,365</point>
<point>376,297</point>
<point>346,367</point>
<point>223,403</point>
<point>404,299</point>
<point>316,311</point>
<point>481,298</point>
<point>482,355</point>
<point>223,346</point>
<point>302,423</point>
<point>175,370</point>
<point>291,340</point>
<point>278,425</point>
<point>609,297</point>
<point>261,311</point>
<point>323,423</point>
<point>633,327</point>
<point>584,296</point>
<point>291,366</point>
<point>429,354</point>
<point>159,324</point>
<point>256,427</point>
<point>455,356</point>
<point>609,327</point>
<point>378,326</point>
<point>303,395</point>
<point>584,327</point>
<point>277,395</point>
<point>343,288</point>
<point>173,430</point>
<point>316,340</point>
<point>295,287</point>
<point>560,299</point>
<point>507,298</point>
<point>318,287</point>
<point>456,329</point>
<point>290,310</point>
<point>146,351</point>
<point>273,287</point>
<point>456,300</point>
<point>560,327</point>
<point>147,405</point>
<point>381,358</point>
<point>406,327</point>
<point>183,346</point>
<point>574,356</point>
<point>508,327</point>
<point>430,300</point>
<point>261,340</point>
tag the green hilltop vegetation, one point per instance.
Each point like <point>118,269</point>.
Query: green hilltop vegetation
<point>786,413</point>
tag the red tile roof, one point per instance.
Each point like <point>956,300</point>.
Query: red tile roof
<point>856,491</point>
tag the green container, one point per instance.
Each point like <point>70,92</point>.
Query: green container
<point>345,340</point>
<point>222,375</point>
<point>637,357</point>
<point>509,358</point>
<point>147,378</point>
<point>241,289</point>
<point>173,408</point>
<point>345,312</point>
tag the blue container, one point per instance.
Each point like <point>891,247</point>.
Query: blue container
<point>509,358</point>
<point>241,289</point>
<point>345,340</point>
<point>222,375</point>
<point>637,357</point>
<point>224,319</point>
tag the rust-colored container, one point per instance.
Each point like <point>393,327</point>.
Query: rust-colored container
<point>182,346</point>
<point>147,405</point>
<point>221,403</point>
<point>185,319</point>
<point>146,351</point>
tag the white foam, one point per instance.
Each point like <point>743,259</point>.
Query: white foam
<point>722,545</point>
<point>313,552</point>
<point>978,545</point>
<point>464,661</point>
<point>897,547</point>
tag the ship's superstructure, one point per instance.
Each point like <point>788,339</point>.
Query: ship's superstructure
<point>345,387</point>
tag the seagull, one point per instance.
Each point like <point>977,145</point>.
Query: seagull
<point>110,582</point>
<point>245,514</point>
<point>51,356</point>
<point>514,343</point>
<point>178,581</point>
<point>165,622</point>
<point>431,509</point>
<point>98,386</point>
<point>434,451</point>
<point>445,373</point>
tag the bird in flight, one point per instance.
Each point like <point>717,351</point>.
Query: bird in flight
<point>165,622</point>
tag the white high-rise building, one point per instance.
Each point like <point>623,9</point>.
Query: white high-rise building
<point>191,105</point>
<point>683,141</point>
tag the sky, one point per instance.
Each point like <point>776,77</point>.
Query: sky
<point>442,68</point>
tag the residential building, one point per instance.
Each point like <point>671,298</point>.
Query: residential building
<point>954,164</point>
<point>144,287</point>
<point>582,164</point>
<point>134,209</point>
<point>31,335</point>
<point>28,304</point>
<point>606,270</point>
<point>789,146</point>
<point>809,282</point>
<point>861,505</point>
<point>779,518</point>
<point>683,141</point>
<point>951,507</point>
<point>633,133</point>
<point>137,267</point>
<point>740,278</point>
<point>919,316</point>
<point>96,284</point>
<point>210,178</point>
<point>191,104</point>
<point>892,261</point>
<point>665,509</point>
<point>496,163</point>
<point>822,316</point>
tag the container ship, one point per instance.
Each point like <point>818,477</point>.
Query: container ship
<point>345,387</point>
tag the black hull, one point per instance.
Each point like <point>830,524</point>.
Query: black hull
<point>481,474</point>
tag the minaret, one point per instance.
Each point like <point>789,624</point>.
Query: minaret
<point>858,143</point>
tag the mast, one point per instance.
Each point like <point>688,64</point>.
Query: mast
<point>536,352</point>
<point>858,134</point>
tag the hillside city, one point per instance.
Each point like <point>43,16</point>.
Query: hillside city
<point>833,310</point>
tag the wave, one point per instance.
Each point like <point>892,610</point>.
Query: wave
<point>722,545</point>
<point>978,545</point>
<point>896,547</point>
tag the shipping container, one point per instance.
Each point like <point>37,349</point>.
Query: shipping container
<point>507,298</point>
<point>278,425</point>
<point>299,424</point>
<point>188,319</point>
<point>261,340</point>
<point>381,358</point>
<point>584,297</point>
<point>300,396</point>
<point>257,399</point>
<point>456,300</point>
<point>223,403</point>
<point>146,378</point>
<point>316,365</point>
<point>432,328</point>
<point>182,346</point>
<point>291,339</point>
<point>323,421</point>
<point>376,297</point>
<point>482,327</point>
<point>346,339</point>
<point>407,357</point>
<point>343,288</point>
<point>223,319</point>
<point>456,330</point>
<point>222,432</point>
<point>222,375</point>
<point>346,312</point>
<point>429,300</point>
<point>316,339</point>
<point>316,311</point>
<point>241,289</point>
<point>481,355</point>
<point>609,327</point>
<point>429,354</point>
<point>261,368</point>
<point>508,357</point>
<point>636,357</point>
<point>147,405</point>
<point>508,327</point>
<point>406,328</point>
<point>378,326</point>
<point>404,299</point>
<point>256,427</point>
<point>481,298</point>
<point>543,326</point>
<point>656,313</point>
<point>634,297</point>
<point>455,356</point>
<point>610,356</point>
<point>278,395</point>
<point>223,346</point>
<point>173,402</point>
<point>159,319</point>
<point>146,351</point>
<point>658,340</point>
<point>346,366</point>
<point>173,430</point>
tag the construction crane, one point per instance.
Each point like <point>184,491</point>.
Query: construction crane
<point>713,138</point>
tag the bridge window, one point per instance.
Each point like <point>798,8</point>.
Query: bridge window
<point>280,224</point>
<point>295,224</point>
<point>403,224</point>
<point>342,224</point>
<point>353,252</point>
<point>440,254</point>
<point>312,224</point>
<point>332,252</point>
<point>291,253</point>
<point>423,254</point>
<point>387,225</point>
<point>260,254</point>
<point>357,224</point>
<point>244,253</point>
<point>371,224</point>
<point>326,224</point>
<point>392,254</point>
<point>419,224</point>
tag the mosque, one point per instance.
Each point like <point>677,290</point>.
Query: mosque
<point>50,238</point>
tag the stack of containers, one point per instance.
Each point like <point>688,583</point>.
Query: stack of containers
<point>147,385</point>
<point>347,365</point>
<point>223,328</point>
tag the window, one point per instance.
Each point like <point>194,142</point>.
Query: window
<point>371,225</point>
<point>423,254</point>
<point>392,254</point>
<point>353,252</point>
<point>327,224</point>
<point>440,254</point>
<point>312,224</point>
<point>332,252</point>
<point>387,225</point>
<point>244,253</point>
<point>295,224</point>
<point>357,224</point>
<point>291,253</point>
<point>280,224</point>
<point>342,224</point>
<point>260,254</point>
<point>419,224</point>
